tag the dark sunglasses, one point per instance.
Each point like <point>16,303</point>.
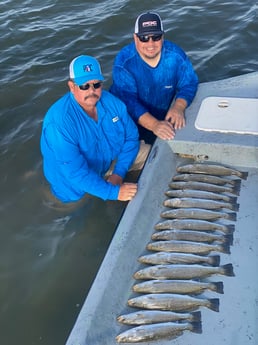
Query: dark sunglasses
<point>146,38</point>
<point>85,87</point>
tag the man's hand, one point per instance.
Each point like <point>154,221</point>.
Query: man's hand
<point>176,114</point>
<point>164,130</point>
<point>115,179</point>
<point>127,191</point>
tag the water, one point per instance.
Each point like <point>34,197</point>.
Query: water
<point>49,258</point>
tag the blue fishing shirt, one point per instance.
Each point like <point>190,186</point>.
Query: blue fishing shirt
<point>152,89</point>
<point>77,151</point>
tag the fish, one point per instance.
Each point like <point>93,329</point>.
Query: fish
<point>163,258</point>
<point>200,203</point>
<point>184,287</point>
<point>209,187</point>
<point>144,317</point>
<point>188,247</point>
<point>207,179</point>
<point>189,235</point>
<point>194,224</point>
<point>157,331</point>
<point>211,169</point>
<point>200,194</point>
<point>197,213</point>
<point>173,302</point>
<point>183,271</point>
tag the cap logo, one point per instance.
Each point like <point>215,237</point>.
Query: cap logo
<point>87,68</point>
<point>149,23</point>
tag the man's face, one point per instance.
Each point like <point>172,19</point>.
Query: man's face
<point>148,46</point>
<point>88,94</point>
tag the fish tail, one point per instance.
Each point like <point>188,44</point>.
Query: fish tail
<point>196,327</point>
<point>228,270</point>
<point>236,182</point>
<point>231,216</point>
<point>236,189</point>
<point>196,316</point>
<point>234,207</point>
<point>225,248</point>
<point>230,228</point>
<point>228,239</point>
<point>214,304</point>
<point>244,175</point>
<point>218,287</point>
<point>232,199</point>
<point>214,260</point>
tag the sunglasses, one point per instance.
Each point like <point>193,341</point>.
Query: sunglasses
<point>146,38</point>
<point>85,87</point>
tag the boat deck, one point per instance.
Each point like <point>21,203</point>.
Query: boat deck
<point>236,322</point>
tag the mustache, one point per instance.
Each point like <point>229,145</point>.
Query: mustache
<point>91,96</point>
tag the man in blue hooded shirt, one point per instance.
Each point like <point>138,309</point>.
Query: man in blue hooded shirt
<point>155,79</point>
<point>83,134</point>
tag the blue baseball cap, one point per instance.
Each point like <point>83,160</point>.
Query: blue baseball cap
<point>84,68</point>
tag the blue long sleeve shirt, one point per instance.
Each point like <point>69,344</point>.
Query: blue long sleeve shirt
<point>77,151</point>
<point>152,89</point>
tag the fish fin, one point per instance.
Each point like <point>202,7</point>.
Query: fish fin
<point>225,248</point>
<point>218,287</point>
<point>196,327</point>
<point>214,304</point>
<point>244,175</point>
<point>231,216</point>
<point>196,316</point>
<point>228,270</point>
<point>214,260</point>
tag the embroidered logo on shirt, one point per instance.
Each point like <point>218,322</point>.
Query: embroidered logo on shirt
<point>115,119</point>
<point>168,86</point>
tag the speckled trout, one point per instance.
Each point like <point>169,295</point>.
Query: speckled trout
<point>184,287</point>
<point>194,224</point>
<point>200,203</point>
<point>200,194</point>
<point>207,179</point>
<point>182,271</point>
<point>164,258</point>
<point>144,317</point>
<point>157,331</point>
<point>211,169</point>
<point>173,302</point>
<point>189,235</point>
<point>188,247</point>
<point>197,213</point>
<point>209,187</point>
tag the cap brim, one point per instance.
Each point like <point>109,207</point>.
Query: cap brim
<point>83,80</point>
<point>150,33</point>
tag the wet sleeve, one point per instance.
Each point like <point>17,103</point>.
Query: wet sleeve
<point>125,87</point>
<point>72,169</point>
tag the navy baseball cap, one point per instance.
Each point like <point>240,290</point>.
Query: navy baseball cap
<point>148,23</point>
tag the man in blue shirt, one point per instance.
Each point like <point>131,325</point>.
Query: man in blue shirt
<point>155,79</point>
<point>83,133</point>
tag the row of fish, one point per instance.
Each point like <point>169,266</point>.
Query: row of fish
<point>180,254</point>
